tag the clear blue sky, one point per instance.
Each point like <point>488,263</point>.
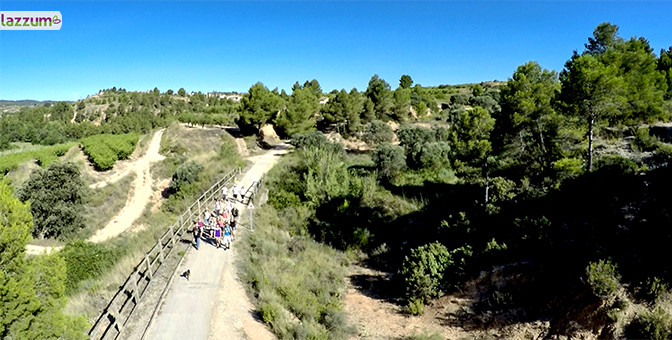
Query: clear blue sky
<point>228,46</point>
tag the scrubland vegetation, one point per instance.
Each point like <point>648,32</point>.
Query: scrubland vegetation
<point>545,196</point>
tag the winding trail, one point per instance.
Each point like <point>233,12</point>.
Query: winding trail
<point>212,304</point>
<point>142,193</point>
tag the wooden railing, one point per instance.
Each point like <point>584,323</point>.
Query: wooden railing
<point>114,317</point>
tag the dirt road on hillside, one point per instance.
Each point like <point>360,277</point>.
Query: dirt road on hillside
<point>141,193</point>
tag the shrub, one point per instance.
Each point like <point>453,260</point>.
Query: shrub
<point>104,150</point>
<point>315,139</point>
<point>423,270</point>
<point>602,278</point>
<point>651,324</point>
<point>390,160</point>
<point>435,156</point>
<point>644,141</point>
<point>415,306</point>
<point>185,175</point>
<point>308,140</point>
<point>656,288</point>
<point>377,132</point>
<point>616,165</point>
<point>568,168</point>
<point>85,261</point>
<point>413,138</point>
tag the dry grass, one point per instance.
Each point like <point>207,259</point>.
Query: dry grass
<point>22,172</point>
<point>97,293</point>
<point>101,204</point>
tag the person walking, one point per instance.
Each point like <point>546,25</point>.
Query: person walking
<point>198,230</point>
<point>218,207</point>
<point>225,192</point>
<point>227,237</point>
<point>218,233</point>
<point>206,217</point>
<point>235,192</point>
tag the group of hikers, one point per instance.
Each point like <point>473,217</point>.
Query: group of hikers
<point>218,225</point>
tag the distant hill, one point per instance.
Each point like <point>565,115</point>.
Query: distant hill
<point>28,102</point>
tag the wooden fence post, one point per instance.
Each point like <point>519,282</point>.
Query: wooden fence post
<point>149,267</point>
<point>158,243</point>
<point>135,289</point>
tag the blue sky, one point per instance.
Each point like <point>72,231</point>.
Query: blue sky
<point>228,46</point>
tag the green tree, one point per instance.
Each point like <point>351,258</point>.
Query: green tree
<point>613,81</point>
<point>665,67</point>
<point>605,37</point>
<point>435,156</point>
<point>258,107</point>
<point>61,112</point>
<point>301,113</point>
<point>181,92</point>
<point>527,125</point>
<point>55,196</point>
<point>380,94</point>
<point>5,142</point>
<point>343,111</point>
<point>470,140</point>
<point>402,104</point>
<point>423,271</point>
<point>31,293</point>
<point>314,87</point>
<point>592,91</point>
<point>405,82</point>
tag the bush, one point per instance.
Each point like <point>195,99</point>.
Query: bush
<point>651,324</point>
<point>390,160</point>
<point>616,165</point>
<point>423,270</point>
<point>568,168</point>
<point>435,156</point>
<point>644,141</point>
<point>377,132</point>
<point>415,306</point>
<point>315,139</point>
<point>413,138</point>
<point>85,261</point>
<point>185,175</point>
<point>104,150</point>
<point>602,278</point>
<point>656,288</point>
<point>297,282</point>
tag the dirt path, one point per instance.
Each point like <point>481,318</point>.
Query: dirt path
<point>376,318</point>
<point>212,304</point>
<point>141,193</point>
<point>242,147</point>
